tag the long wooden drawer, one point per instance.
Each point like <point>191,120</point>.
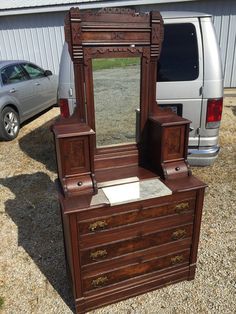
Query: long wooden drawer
<point>120,248</point>
<point>134,230</point>
<point>115,216</point>
<point>106,278</point>
<point>136,257</point>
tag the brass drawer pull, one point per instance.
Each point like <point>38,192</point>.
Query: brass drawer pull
<point>181,207</point>
<point>177,259</point>
<point>178,234</point>
<point>99,282</point>
<point>98,254</point>
<point>101,224</point>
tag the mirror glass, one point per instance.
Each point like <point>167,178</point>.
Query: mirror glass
<point>116,99</point>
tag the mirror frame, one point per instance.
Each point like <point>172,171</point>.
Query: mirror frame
<point>113,33</point>
<point>96,53</point>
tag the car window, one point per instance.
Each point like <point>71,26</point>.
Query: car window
<point>33,70</point>
<point>13,74</point>
<point>179,55</point>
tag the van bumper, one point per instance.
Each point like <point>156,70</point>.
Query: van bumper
<point>203,156</point>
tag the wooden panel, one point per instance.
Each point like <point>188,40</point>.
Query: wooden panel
<point>99,36</point>
<point>115,16</point>
<point>131,271</point>
<point>173,142</point>
<point>119,248</point>
<point>75,155</point>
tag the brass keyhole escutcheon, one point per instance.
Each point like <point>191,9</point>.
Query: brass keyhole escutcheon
<point>181,207</point>
<point>99,282</point>
<point>99,254</point>
<point>101,224</point>
<point>178,234</point>
<point>177,259</point>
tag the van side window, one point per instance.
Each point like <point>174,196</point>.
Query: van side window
<point>179,56</point>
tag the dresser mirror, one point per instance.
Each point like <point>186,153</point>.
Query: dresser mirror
<point>116,85</point>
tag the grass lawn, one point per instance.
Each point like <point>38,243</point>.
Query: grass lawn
<point>100,64</point>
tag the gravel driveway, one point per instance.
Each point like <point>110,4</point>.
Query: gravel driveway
<point>32,268</point>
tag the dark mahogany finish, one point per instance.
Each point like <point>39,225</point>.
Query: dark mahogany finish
<point>118,251</point>
<point>167,145</point>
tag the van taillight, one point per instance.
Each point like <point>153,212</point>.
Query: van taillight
<point>64,107</point>
<point>214,112</point>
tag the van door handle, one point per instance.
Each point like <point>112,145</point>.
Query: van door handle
<point>37,84</point>
<point>12,90</point>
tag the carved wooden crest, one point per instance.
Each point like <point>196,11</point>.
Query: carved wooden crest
<point>119,27</point>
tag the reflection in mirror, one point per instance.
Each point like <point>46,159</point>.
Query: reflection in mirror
<point>116,99</point>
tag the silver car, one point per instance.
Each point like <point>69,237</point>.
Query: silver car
<point>25,90</point>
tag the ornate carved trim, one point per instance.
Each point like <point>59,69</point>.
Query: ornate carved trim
<point>76,33</point>
<point>89,53</point>
<point>157,29</point>
<point>146,54</point>
<point>101,50</point>
<point>117,36</point>
<point>155,51</point>
<point>127,11</point>
<point>116,11</point>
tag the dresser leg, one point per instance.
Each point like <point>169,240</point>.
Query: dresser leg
<point>192,271</point>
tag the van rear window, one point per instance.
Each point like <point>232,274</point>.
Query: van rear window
<point>179,55</point>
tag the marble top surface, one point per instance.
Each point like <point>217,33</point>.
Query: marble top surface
<point>129,192</point>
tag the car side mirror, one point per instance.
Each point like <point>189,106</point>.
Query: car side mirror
<point>47,73</point>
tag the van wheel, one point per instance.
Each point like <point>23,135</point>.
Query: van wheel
<point>9,124</point>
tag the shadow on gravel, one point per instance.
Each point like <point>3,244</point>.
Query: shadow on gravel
<point>35,212</point>
<point>233,108</point>
<point>39,145</point>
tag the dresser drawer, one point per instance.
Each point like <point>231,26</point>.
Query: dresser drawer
<point>138,243</point>
<point>106,278</point>
<point>131,231</point>
<point>132,213</point>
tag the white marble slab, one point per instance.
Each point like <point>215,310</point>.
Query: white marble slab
<point>122,193</point>
<point>129,192</point>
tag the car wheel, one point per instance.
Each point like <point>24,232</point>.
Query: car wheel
<point>9,124</point>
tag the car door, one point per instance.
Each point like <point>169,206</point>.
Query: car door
<point>180,73</point>
<point>42,86</point>
<point>16,89</point>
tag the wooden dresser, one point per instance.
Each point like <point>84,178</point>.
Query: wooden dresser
<point>116,249</point>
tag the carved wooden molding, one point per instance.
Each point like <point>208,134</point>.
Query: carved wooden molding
<point>90,53</point>
<point>122,11</point>
<point>101,50</point>
<point>113,33</point>
<point>117,11</point>
<point>121,27</point>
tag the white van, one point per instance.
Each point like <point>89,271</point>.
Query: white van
<point>190,80</point>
